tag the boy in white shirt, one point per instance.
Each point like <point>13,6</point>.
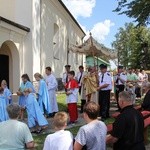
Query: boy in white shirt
<point>61,139</point>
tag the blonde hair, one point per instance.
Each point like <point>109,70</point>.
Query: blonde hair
<point>60,120</point>
<point>38,75</point>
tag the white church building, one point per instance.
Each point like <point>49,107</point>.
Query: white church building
<point>35,34</point>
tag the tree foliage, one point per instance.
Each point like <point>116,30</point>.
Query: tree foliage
<point>132,44</point>
<point>137,9</point>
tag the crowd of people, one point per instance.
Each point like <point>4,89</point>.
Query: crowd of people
<point>94,88</point>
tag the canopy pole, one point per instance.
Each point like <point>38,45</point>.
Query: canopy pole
<point>92,49</point>
<point>67,51</point>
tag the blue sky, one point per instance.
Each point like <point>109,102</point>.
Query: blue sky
<point>97,16</point>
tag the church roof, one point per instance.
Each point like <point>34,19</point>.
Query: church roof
<point>15,24</point>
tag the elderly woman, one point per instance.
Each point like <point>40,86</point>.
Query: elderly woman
<point>7,92</point>
<point>146,102</point>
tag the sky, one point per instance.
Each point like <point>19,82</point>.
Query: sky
<point>97,17</point>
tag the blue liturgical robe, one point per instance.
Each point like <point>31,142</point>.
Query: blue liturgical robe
<point>7,94</point>
<point>43,97</point>
<point>28,84</point>
<point>3,111</point>
<point>34,112</point>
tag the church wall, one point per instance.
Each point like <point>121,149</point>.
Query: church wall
<point>11,44</point>
<point>54,51</point>
<point>46,43</point>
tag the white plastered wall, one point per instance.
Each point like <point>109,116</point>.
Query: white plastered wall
<point>54,13</point>
<point>11,44</point>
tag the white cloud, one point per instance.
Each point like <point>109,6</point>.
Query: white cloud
<point>84,8</point>
<point>100,30</point>
<point>80,7</point>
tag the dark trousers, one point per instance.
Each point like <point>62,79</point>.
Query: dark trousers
<point>138,91</point>
<point>119,88</point>
<point>104,102</point>
<point>79,90</point>
<point>83,102</point>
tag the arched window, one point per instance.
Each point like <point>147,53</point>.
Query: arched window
<point>56,41</point>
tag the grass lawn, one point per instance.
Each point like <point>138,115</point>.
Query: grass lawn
<point>61,98</point>
<point>39,139</point>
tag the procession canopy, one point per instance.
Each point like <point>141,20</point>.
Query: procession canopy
<point>92,48</point>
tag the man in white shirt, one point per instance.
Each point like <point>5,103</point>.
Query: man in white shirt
<point>144,79</point>
<point>52,87</point>
<point>65,75</point>
<point>105,86</point>
<point>61,139</point>
<point>120,82</point>
<point>79,78</point>
<point>14,134</point>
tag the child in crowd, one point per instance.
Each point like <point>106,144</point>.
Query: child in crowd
<point>7,92</point>
<point>61,139</point>
<point>35,116</point>
<point>72,97</point>
<point>3,112</point>
<point>24,85</point>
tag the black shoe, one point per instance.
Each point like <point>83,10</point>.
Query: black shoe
<point>54,113</point>
<point>51,115</point>
<point>34,131</point>
<point>38,131</point>
<point>81,111</point>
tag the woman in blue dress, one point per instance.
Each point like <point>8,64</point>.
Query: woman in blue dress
<point>3,111</point>
<point>22,100</point>
<point>7,92</point>
<point>36,118</point>
<point>43,96</point>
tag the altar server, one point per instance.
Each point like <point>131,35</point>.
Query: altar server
<point>72,97</point>
<point>7,92</point>
<point>43,96</point>
<point>35,116</point>
<point>3,112</point>
<point>52,87</point>
<point>26,83</point>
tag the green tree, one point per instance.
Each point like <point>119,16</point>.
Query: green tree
<point>137,9</point>
<point>132,46</point>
